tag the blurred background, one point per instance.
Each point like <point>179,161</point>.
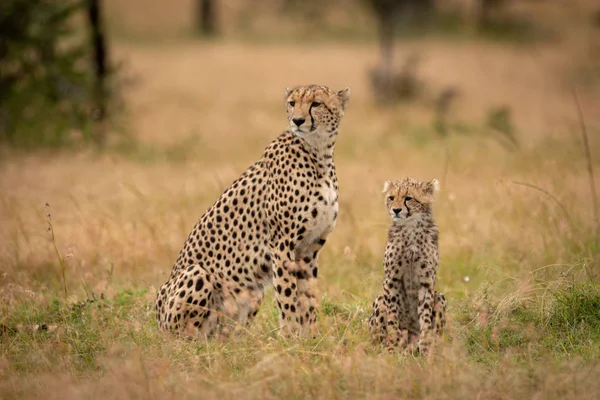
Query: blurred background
<point>72,69</point>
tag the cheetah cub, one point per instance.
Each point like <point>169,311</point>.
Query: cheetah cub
<point>409,308</point>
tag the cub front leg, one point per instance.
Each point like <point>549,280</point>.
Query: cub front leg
<point>439,312</point>
<point>378,320</point>
<point>396,336</point>
<point>425,312</point>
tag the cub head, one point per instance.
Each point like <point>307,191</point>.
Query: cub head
<point>315,109</point>
<point>409,198</point>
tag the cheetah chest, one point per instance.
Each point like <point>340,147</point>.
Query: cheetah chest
<point>324,212</point>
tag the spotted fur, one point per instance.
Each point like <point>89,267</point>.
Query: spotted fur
<point>409,309</point>
<point>272,219</point>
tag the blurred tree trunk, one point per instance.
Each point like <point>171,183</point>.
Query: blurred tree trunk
<point>387,22</point>
<point>487,8</point>
<point>100,62</point>
<point>48,56</point>
<point>5,81</point>
<point>206,17</point>
<point>387,82</point>
<point>386,13</point>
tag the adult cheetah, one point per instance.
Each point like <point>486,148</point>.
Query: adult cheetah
<point>409,308</point>
<point>272,219</point>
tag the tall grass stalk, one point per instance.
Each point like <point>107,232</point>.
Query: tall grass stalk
<point>61,260</point>
<point>550,195</point>
<point>588,156</point>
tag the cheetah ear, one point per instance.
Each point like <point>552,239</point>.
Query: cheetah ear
<point>386,186</point>
<point>288,91</point>
<point>344,96</point>
<point>432,187</point>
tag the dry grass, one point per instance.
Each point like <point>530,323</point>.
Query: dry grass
<point>207,111</point>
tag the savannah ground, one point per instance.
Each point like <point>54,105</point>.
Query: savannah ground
<point>519,266</point>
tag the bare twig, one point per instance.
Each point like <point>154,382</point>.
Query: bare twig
<point>4,273</point>
<point>588,157</point>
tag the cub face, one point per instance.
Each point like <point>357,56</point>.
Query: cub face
<point>409,198</point>
<point>315,109</point>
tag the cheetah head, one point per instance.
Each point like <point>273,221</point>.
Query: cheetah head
<point>409,198</point>
<point>315,110</point>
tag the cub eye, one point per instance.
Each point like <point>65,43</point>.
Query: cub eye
<point>315,104</point>
<point>408,198</point>
<point>391,198</point>
<point>292,103</point>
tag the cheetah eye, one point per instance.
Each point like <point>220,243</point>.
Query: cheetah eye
<point>292,103</point>
<point>315,104</point>
<point>391,198</point>
<point>408,198</point>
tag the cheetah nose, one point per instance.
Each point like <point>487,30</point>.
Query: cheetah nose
<point>298,121</point>
<point>396,210</point>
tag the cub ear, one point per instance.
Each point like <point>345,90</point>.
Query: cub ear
<point>344,96</point>
<point>432,187</point>
<point>386,186</point>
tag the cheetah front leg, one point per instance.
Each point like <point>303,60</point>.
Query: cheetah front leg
<point>307,304</point>
<point>286,293</point>
<point>294,281</point>
<point>306,277</point>
<point>308,259</point>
